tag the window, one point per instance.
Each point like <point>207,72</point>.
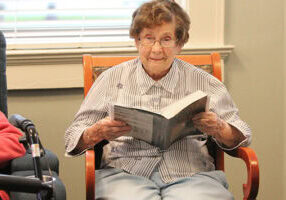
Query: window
<point>42,24</point>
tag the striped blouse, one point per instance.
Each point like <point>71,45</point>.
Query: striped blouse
<point>128,84</point>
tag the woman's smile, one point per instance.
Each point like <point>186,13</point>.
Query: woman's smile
<point>156,59</point>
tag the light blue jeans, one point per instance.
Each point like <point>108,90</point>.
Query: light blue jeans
<point>115,184</point>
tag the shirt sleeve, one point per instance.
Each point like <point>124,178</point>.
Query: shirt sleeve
<point>93,108</point>
<point>10,147</point>
<point>222,104</point>
<point>4,195</point>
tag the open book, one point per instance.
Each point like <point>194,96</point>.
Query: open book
<point>165,127</point>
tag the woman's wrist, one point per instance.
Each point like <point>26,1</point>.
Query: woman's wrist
<point>221,126</point>
<point>84,142</point>
<point>229,135</point>
<point>223,134</point>
<point>90,137</point>
<point>86,138</point>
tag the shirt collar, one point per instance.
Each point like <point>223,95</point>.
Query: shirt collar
<point>168,82</point>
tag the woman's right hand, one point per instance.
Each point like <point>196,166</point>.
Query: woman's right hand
<point>105,129</point>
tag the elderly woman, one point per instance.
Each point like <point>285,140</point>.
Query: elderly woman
<point>133,169</point>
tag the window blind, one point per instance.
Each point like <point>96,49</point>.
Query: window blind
<point>65,23</point>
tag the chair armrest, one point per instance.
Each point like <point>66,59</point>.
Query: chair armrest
<point>90,174</point>
<point>250,189</point>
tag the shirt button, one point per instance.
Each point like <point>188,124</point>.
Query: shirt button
<point>157,85</point>
<point>157,99</point>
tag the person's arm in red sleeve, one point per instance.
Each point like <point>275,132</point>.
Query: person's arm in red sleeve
<point>4,195</point>
<point>10,147</point>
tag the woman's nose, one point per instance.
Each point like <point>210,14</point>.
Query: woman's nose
<point>157,47</point>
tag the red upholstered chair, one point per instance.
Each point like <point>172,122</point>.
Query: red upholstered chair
<point>94,65</point>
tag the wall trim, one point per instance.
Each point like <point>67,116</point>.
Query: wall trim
<point>54,69</point>
<point>74,56</point>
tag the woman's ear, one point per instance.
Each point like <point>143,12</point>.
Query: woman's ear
<point>179,49</point>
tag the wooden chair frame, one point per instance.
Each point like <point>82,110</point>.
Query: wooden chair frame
<point>250,188</point>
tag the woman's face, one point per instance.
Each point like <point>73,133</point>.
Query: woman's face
<point>157,58</point>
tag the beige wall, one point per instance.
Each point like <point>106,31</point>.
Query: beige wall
<point>284,75</point>
<point>52,111</point>
<point>254,74</point>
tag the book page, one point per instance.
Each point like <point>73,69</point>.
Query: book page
<point>170,111</point>
<point>182,124</point>
<point>140,121</point>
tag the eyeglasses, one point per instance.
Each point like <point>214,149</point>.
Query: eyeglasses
<point>164,42</point>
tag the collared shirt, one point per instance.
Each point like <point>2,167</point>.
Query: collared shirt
<point>129,84</point>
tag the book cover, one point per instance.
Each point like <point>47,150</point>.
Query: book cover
<point>163,128</point>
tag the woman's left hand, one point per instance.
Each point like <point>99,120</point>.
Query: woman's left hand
<point>211,124</point>
<point>208,123</point>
